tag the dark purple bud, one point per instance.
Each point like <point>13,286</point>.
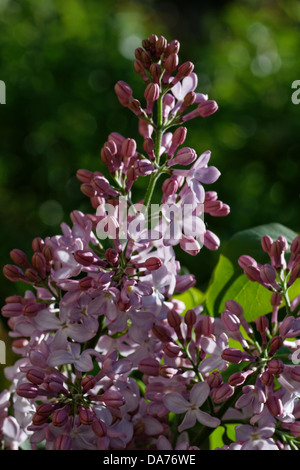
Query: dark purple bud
<point>275,366</point>
<point>27,390</point>
<point>222,393</point>
<point>60,416</point>
<point>232,355</point>
<point>214,379</point>
<point>13,273</point>
<point>99,427</point>
<point>87,383</point>
<point>35,376</point>
<point>274,405</point>
<point>149,366</point>
<point>276,343</point>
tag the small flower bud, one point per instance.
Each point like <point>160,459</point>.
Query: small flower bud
<point>112,256</point>
<point>87,383</point>
<point>267,378</point>
<point>86,258</point>
<point>222,393</point>
<point>295,246</point>
<point>39,263</point>
<point>27,390</point>
<point>153,263</point>
<point>60,416</point>
<point>246,261</point>
<point>211,241</point>
<point>38,244</point>
<point>274,405</point>
<point>161,333</point>
<point>185,156</point>
<point>207,326</point>
<point>113,398</point>
<point>85,176</point>
<point>275,366</point>
<point>32,309</point>
<point>232,355</point>
<point>262,324</point>
<point>13,273</point>
<point>171,350</point>
<point>267,274</point>
<point>276,343</point>
<point>19,258</point>
<point>266,243</point>
<point>149,366</point>
<point>99,427</point>
<point>12,310</point>
<point>167,372</point>
<point>214,379</point>
<point>128,148</point>
<point>35,376</point>
<point>123,91</point>
<point>230,321</point>
<point>86,416</point>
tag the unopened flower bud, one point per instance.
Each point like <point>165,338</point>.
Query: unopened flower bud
<point>295,246</point>
<point>149,366</point>
<point>211,241</point>
<point>87,383</point>
<point>266,243</point>
<point>112,256</point>
<point>161,333</point>
<point>262,324</point>
<point>85,176</point>
<point>155,72</point>
<point>153,263</point>
<point>171,350</point>
<point>230,321</point>
<point>275,366</point>
<point>267,378</point>
<point>38,244</point>
<point>236,379</point>
<point>13,273</point>
<point>60,416</point>
<point>268,274</point>
<point>167,371</point>
<point>276,343</point>
<point>86,416</point>
<point>99,427</point>
<point>35,376</point>
<point>13,309</point>
<point>32,309</point>
<point>86,258</point>
<point>128,148</point>
<point>246,261</point>
<point>123,91</point>
<point>232,355</point>
<point>222,393</point>
<point>20,258</point>
<point>274,405</point>
<point>113,398</point>
<point>207,325</point>
<point>40,264</point>
<point>214,379</point>
<point>27,390</point>
<point>185,156</point>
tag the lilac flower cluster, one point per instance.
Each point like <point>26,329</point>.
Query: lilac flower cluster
<point>109,357</point>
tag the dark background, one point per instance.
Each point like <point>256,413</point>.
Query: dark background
<point>60,61</point>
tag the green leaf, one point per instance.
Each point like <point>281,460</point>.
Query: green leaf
<point>228,281</point>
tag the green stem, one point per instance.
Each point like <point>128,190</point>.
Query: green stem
<point>159,133</point>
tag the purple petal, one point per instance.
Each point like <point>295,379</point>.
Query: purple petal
<point>199,393</point>
<point>189,420</point>
<point>60,357</point>
<point>206,419</point>
<point>207,175</point>
<point>176,403</point>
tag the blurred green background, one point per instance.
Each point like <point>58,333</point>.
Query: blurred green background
<point>60,61</point>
